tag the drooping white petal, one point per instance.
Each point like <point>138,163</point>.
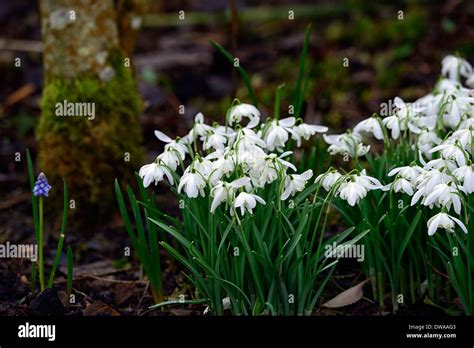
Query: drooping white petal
<point>163,137</point>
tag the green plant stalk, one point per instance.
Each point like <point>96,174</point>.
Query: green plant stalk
<point>266,272</point>
<point>144,244</point>
<point>40,245</point>
<point>34,199</point>
<point>276,108</point>
<point>34,205</point>
<point>61,236</point>
<point>56,260</point>
<point>70,271</point>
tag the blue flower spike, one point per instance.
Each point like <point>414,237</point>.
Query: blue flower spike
<point>42,186</point>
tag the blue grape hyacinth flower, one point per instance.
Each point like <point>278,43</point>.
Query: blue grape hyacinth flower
<point>42,186</point>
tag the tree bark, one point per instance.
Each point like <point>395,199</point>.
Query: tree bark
<point>84,64</point>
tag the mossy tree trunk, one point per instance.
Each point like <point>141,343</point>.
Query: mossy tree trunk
<point>85,62</point>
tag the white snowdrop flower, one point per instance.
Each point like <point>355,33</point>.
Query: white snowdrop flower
<point>452,115</point>
<point>409,173</point>
<point>169,158</point>
<point>367,182</point>
<point>277,134</point>
<point>305,131</point>
<point>219,192</point>
<point>265,169</point>
<point>328,179</point>
<point>295,183</point>
<point>451,152</point>
<point>440,164</point>
<point>346,144</point>
<point>426,182</point>
<point>445,221</point>
<point>401,184</point>
<point>246,139</point>
<point>431,104</point>
<point>448,87</point>
<point>430,178</point>
<point>370,126</point>
<point>427,137</point>
<point>247,202</point>
<point>464,137</point>
<point>426,123</point>
<point>203,166</point>
<point>224,191</point>
<point>200,128</point>
<point>392,123</point>
<point>177,145</point>
<point>426,141</point>
<point>250,160</point>
<point>445,195</point>
<point>281,161</point>
<point>407,115</point>
<point>352,192</point>
<point>214,140</point>
<point>154,172</point>
<point>222,166</point>
<point>265,172</point>
<point>458,108</point>
<point>465,175</point>
<point>397,124</point>
<point>193,184</point>
<point>407,110</point>
<point>334,138</point>
<point>244,110</point>
<point>453,67</point>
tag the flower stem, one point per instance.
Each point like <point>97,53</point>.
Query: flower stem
<point>40,244</point>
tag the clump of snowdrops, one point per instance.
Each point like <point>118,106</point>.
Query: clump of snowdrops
<point>252,229</point>
<point>427,170</point>
<point>252,233</point>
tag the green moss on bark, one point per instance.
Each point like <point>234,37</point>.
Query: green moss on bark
<point>89,154</point>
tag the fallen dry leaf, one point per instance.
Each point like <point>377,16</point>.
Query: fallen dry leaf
<point>100,308</point>
<point>347,297</point>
